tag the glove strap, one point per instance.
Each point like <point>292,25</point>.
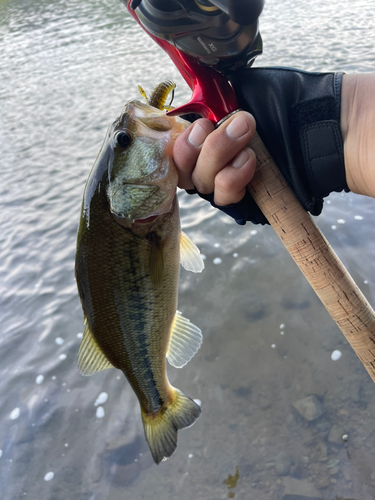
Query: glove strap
<point>323,153</point>
<point>317,123</point>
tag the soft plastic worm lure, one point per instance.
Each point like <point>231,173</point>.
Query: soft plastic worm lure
<point>159,95</point>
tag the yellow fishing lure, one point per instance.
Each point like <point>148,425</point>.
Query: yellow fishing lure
<point>159,95</point>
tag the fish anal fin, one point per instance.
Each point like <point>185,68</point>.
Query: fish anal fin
<point>91,358</point>
<point>161,427</point>
<point>157,260</point>
<point>185,340</point>
<point>190,256</point>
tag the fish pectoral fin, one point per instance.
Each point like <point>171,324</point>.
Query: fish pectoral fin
<point>157,261</point>
<point>184,342</point>
<point>91,358</point>
<point>190,257</point>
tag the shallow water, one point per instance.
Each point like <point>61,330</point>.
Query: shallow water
<point>66,69</point>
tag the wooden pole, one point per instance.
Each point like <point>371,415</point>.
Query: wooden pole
<point>314,256</point>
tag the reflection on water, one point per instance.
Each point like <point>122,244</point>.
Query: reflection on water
<point>265,367</point>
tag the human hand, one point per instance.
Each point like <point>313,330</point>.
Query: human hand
<point>217,161</point>
<point>298,118</point>
<point>218,165</point>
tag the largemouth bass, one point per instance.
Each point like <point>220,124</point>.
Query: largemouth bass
<point>129,250</point>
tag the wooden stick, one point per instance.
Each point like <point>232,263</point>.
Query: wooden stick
<point>314,256</point>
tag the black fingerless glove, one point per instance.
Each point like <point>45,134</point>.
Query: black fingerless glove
<point>244,210</point>
<point>298,118</point>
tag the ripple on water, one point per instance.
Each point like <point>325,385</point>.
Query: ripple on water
<point>49,476</point>
<point>101,399</point>
<point>100,413</point>
<point>15,413</point>
<point>336,355</point>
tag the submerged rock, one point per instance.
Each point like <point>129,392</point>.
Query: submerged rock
<point>335,434</point>
<point>297,489</point>
<point>355,391</point>
<point>323,426</point>
<point>323,451</point>
<point>310,408</point>
<point>283,463</point>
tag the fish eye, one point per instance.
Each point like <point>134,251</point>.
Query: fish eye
<point>123,139</point>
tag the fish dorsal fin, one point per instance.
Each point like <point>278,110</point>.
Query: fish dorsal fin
<point>91,358</point>
<point>190,256</point>
<point>157,260</point>
<point>185,341</point>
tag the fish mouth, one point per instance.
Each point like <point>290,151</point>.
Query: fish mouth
<point>151,121</point>
<point>148,220</point>
<point>157,123</point>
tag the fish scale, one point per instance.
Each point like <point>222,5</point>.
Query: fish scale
<point>125,273</point>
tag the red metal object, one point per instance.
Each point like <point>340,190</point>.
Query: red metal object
<point>213,95</point>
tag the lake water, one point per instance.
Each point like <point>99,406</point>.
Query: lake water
<point>66,69</point>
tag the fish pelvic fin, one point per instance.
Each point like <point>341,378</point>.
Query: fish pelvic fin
<point>190,256</point>
<point>161,427</point>
<point>91,358</point>
<point>184,342</point>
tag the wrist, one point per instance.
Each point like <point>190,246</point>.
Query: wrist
<point>358,132</point>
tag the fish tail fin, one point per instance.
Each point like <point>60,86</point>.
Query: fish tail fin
<point>161,427</point>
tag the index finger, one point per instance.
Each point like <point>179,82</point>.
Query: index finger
<point>220,147</point>
<point>187,148</point>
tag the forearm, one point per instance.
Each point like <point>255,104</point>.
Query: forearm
<point>358,131</point>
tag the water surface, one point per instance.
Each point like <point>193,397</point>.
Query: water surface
<point>66,70</point>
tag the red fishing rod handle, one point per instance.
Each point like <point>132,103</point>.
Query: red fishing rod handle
<point>213,95</point>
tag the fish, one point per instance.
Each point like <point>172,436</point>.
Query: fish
<point>129,250</point>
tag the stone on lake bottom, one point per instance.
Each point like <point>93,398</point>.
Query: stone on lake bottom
<point>283,463</point>
<point>310,408</point>
<point>335,434</point>
<point>296,489</point>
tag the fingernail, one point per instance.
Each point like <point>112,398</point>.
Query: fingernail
<point>241,158</point>
<point>237,127</point>
<point>197,135</point>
